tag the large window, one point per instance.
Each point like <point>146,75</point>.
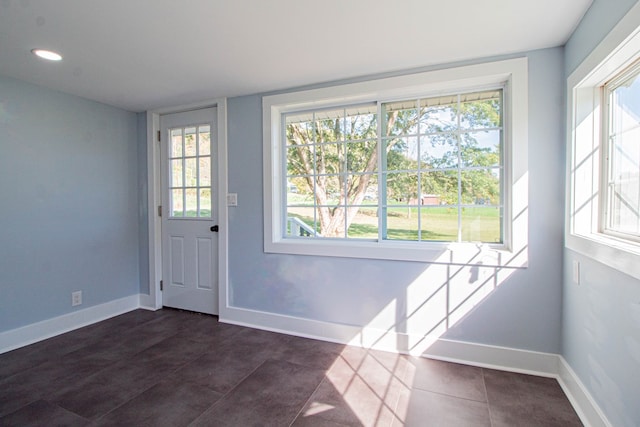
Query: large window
<point>410,167</point>
<point>426,169</point>
<point>603,213</point>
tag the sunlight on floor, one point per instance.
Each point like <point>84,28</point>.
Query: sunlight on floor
<point>367,385</point>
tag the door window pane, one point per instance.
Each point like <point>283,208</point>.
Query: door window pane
<point>176,173</point>
<point>191,206</point>
<point>190,172</point>
<point>190,142</point>
<point>177,202</point>
<point>176,143</point>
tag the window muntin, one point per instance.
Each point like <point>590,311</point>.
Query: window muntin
<point>622,163</point>
<point>426,169</point>
<point>190,172</point>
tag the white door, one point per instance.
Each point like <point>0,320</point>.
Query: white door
<point>189,213</point>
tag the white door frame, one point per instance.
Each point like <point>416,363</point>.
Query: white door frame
<point>153,301</point>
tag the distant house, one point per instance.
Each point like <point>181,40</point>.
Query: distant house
<point>426,199</point>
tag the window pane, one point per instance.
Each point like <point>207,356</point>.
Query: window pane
<point>191,208</point>
<point>439,151</point>
<point>205,202</point>
<point>625,186</point>
<point>625,109</point>
<point>190,173</point>
<point>480,187</point>
<point>329,126</point>
<point>361,156</point>
<point>402,154</point>
<point>330,158</point>
<point>204,141</point>
<point>190,142</point>
<point>176,143</point>
<point>300,159</point>
<point>481,110</point>
<point>300,198</point>
<point>624,163</point>
<point>361,123</point>
<point>480,148</point>
<point>205,172</point>
<point>481,224</point>
<point>438,114</point>
<point>402,187</point>
<point>365,223</point>
<point>300,130</point>
<point>371,195</point>
<point>177,203</point>
<point>329,188</point>
<point>300,222</point>
<point>439,224</point>
<point>400,118</point>
<point>439,188</point>
<point>336,228</point>
<point>176,173</point>
<point>402,222</point>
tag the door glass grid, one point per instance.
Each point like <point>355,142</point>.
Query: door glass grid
<point>190,174</point>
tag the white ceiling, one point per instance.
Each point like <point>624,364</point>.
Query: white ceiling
<point>145,54</point>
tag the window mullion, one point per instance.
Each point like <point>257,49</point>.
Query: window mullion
<point>315,172</point>
<point>382,176</point>
<point>418,172</point>
<point>197,171</point>
<point>184,174</point>
<point>345,173</point>
<point>457,133</point>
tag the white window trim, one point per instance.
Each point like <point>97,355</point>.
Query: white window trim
<point>583,227</point>
<point>513,252</point>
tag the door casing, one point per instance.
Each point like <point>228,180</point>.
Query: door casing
<point>153,300</point>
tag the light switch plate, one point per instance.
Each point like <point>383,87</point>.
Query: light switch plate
<point>232,199</point>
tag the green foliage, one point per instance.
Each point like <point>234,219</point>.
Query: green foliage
<point>428,149</point>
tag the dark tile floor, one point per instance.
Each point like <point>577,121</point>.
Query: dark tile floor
<point>173,368</point>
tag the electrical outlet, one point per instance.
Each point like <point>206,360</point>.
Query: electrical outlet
<point>76,298</point>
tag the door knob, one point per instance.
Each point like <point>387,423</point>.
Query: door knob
<point>214,228</point>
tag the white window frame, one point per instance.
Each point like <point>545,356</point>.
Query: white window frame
<point>510,73</point>
<point>586,151</point>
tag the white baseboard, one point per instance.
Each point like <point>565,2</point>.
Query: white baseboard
<point>481,355</point>
<point>502,358</point>
<point>39,331</point>
<point>495,357</point>
<point>582,401</point>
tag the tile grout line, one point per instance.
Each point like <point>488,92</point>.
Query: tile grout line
<point>308,399</point>
<point>486,393</point>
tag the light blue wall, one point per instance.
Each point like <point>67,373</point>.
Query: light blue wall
<point>601,316</point>
<point>143,204</point>
<point>68,203</point>
<point>523,312</point>
<point>601,17</point>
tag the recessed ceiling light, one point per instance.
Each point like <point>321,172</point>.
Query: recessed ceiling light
<point>47,54</point>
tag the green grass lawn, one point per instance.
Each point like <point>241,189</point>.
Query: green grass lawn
<point>437,223</point>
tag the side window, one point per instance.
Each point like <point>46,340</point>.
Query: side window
<point>622,142</point>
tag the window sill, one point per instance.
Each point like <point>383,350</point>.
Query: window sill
<point>615,253</point>
<point>439,253</point>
